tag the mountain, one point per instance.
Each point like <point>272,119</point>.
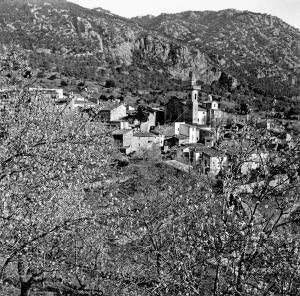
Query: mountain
<point>259,48</point>
<point>95,42</point>
<point>226,48</point>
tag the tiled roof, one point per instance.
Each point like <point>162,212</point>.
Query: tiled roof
<point>181,137</point>
<point>108,106</point>
<point>213,152</point>
<point>195,145</point>
<point>166,130</point>
<point>121,131</point>
<point>144,134</point>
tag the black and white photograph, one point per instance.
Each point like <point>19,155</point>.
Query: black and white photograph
<point>150,148</point>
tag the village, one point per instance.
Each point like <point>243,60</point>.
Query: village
<point>191,134</point>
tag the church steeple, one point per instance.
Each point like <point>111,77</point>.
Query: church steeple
<point>193,98</point>
<point>192,80</point>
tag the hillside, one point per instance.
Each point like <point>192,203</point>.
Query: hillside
<point>228,48</point>
<point>259,48</point>
<point>94,43</point>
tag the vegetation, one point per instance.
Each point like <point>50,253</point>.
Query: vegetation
<point>71,224</point>
<point>58,39</point>
<point>48,158</point>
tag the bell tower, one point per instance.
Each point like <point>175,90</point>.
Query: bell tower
<point>193,98</point>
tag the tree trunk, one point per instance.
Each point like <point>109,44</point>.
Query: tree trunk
<point>25,284</point>
<point>216,283</point>
<point>25,287</point>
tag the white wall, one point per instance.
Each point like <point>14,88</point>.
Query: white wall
<point>192,132</point>
<point>124,125</point>
<point>118,113</point>
<point>216,163</point>
<point>145,126</point>
<point>177,127</point>
<point>184,130</point>
<point>214,105</point>
<point>202,117</point>
<point>140,143</point>
<point>254,162</point>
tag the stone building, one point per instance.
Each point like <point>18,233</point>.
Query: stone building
<point>213,112</point>
<point>79,102</point>
<point>175,110</point>
<point>129,142</point>
<point>191,109</point>
<point>123,140</point>
<point>112,112</point>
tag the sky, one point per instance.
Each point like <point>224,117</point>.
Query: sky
<point>287,10</point>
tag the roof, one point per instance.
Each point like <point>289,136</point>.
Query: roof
<point>179,165</point>
<point>179,100</point>
<point>158,108</point>
<point>195,145</point>
<point>108,106</point>
<point>166,130</point>
<point>181,137</point>
<point>144,135</point>
<point>213,152</point>
<point>198,126</point>
<point>131,112</point>
<point>121,131</point>
<point>188,124</point>
<point>200,148</point>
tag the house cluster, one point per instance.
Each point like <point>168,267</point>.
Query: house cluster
<point>131,133</point>
<point>190,134</point>
<point>185,131</point>
<point>191,122</point>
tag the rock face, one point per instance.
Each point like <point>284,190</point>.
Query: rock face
<point>248,45</point>
<point>229,43</point>
<point>63,28</point>
<point>175,58</point>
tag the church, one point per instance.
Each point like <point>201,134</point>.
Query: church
<point>193,110</point>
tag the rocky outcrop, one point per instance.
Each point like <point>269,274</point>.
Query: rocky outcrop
<point>176,58</point>
<point>241,45</point>
<point>250,46</point>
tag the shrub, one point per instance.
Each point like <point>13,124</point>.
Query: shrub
<point>110,83</point>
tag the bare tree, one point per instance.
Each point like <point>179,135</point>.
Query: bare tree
<point>48,157</point>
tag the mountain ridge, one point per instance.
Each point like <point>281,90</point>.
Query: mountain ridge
<point>236,38</point>
<point>166,44</point>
